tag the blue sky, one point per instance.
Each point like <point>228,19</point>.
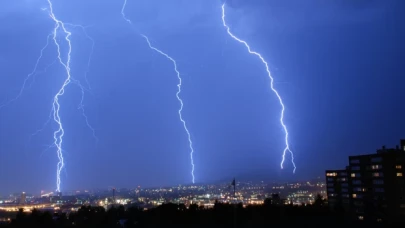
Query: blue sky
<point>338,66</point>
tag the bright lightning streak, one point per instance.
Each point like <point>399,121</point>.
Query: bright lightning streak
<point>180,100</point>
<point>59,133</point>
<point>91,52</point>
<point>123,12</point>
<point>178,91</point>
<point>287,145</point>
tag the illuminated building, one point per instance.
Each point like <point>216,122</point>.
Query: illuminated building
<point>375,185</point>
<point>23,198</point>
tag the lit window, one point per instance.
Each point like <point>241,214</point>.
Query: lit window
<point>399,174</point>
<point>398,166</point>
<point>378,174</point>
<point>355,175</point>
<point>331,174</point>
<point>361,217</point>
<point>354,195</point>
<point>376,166</point>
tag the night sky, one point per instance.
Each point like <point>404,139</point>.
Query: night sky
<point>339,66</point>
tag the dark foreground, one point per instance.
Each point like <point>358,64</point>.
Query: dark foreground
<point>172,215</point>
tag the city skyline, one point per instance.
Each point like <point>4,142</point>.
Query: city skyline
<point>339,73</point>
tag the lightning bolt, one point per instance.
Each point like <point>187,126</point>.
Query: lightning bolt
<point>91,52</point>
<point>58,134</point>
<point>177,93</point>
<point>180,101</point>
<point>287,145</point>
<point>123,12</point>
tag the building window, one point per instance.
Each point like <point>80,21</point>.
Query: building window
<point>398,166</point>
<point>331,189</point>
<point>330,184</point>
<point>354,196</point>
<point>355,167</point>
<point>345,195</point>
<point>361,217</point>
<point>378,181</point>
<point>331,174</point>
<point>356,182</point>
<point>343,174</point>
<point>355,175</point>
<point>376,167</point>
<point>399,174</point>
<point>342,179</point>
<point>376,159</point>
<point>344,184</point>
<point>358,203</point>
<point>379,190</point>
<point>330,179</point>
<point>354,161</point>
<point>344,190</point>
<point>378,174</point>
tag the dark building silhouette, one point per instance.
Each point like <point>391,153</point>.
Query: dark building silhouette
<point>372,187</point>
<point>337,182</point>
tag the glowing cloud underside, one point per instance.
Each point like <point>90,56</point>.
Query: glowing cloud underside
<point>287,145</point>
<point>177,94</point>
<point>181,103</point>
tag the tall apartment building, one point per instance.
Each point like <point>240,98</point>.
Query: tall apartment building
<point>372,187</point>
<point>337,183</point>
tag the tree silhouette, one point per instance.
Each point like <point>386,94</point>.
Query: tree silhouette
<point>272,213</point>
<point>319,201</point>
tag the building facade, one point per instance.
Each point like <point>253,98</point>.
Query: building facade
<point>374,185</point>
<point>337,184</point>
